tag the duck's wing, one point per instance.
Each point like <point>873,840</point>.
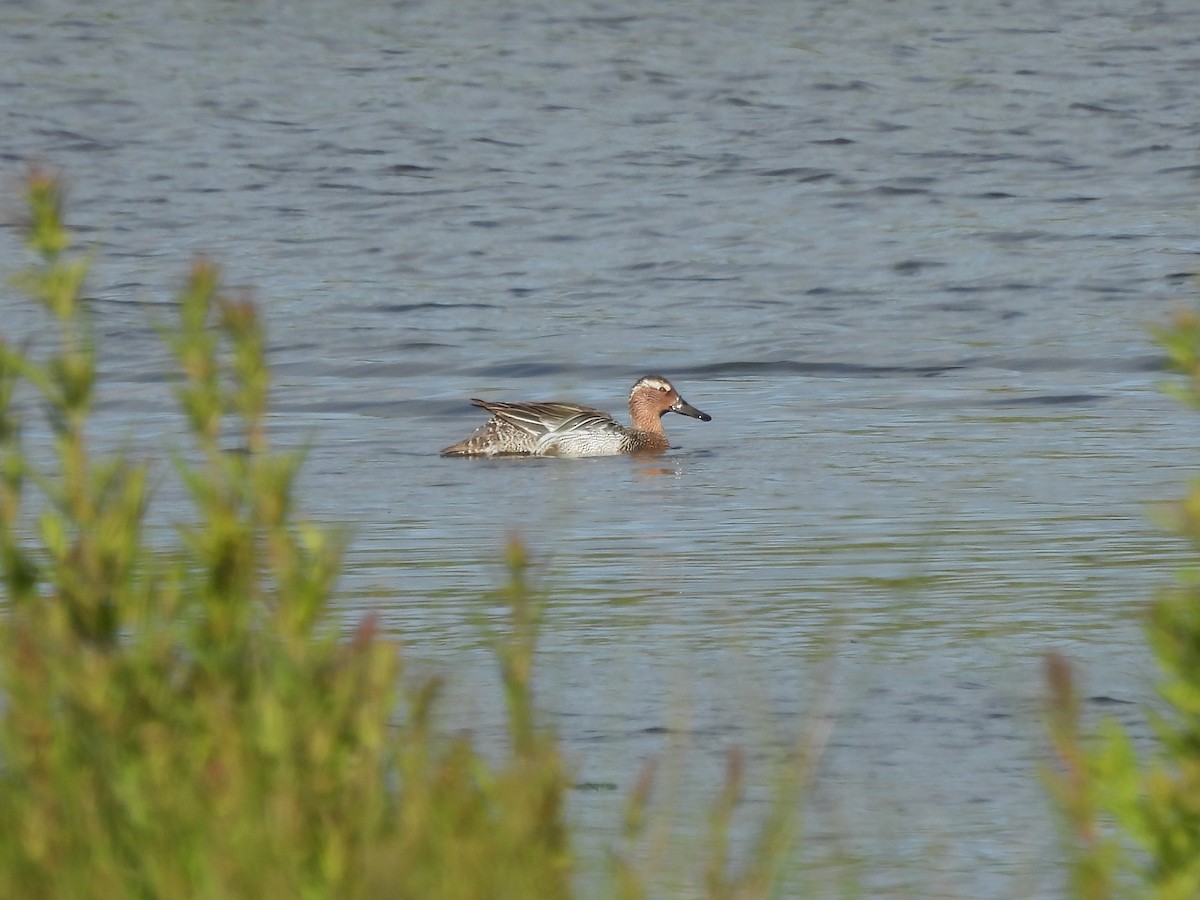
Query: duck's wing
<point>539,419</point>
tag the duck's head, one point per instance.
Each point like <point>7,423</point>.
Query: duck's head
<point>658,394</point>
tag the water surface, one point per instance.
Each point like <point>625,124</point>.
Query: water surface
<point>903,253</point>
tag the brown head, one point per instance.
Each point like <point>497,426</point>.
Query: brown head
<point>652,398</point>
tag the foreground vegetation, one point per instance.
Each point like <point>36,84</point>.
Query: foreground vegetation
<point>196,721</point>
<point>1134,827</point>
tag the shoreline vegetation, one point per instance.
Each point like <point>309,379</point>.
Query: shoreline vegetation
<point>1132,827</point>
<point>194,722</point>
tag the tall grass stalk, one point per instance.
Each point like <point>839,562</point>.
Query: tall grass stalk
<point>193,720</point>
<point>1133,824</point>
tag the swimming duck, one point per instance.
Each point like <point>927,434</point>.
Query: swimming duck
<point>564,429</point>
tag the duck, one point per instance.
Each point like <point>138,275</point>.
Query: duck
<point>569,430</point>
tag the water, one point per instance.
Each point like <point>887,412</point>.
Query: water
<point>904,253</point>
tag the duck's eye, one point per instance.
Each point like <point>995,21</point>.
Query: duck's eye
<point>663,388</point>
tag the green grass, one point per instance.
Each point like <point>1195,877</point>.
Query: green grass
<point>191,721</point>
<point>1132,826</point>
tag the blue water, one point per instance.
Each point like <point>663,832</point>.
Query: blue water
<point>905,254</point>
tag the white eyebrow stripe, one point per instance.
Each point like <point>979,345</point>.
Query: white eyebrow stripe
<point>653,382</point>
